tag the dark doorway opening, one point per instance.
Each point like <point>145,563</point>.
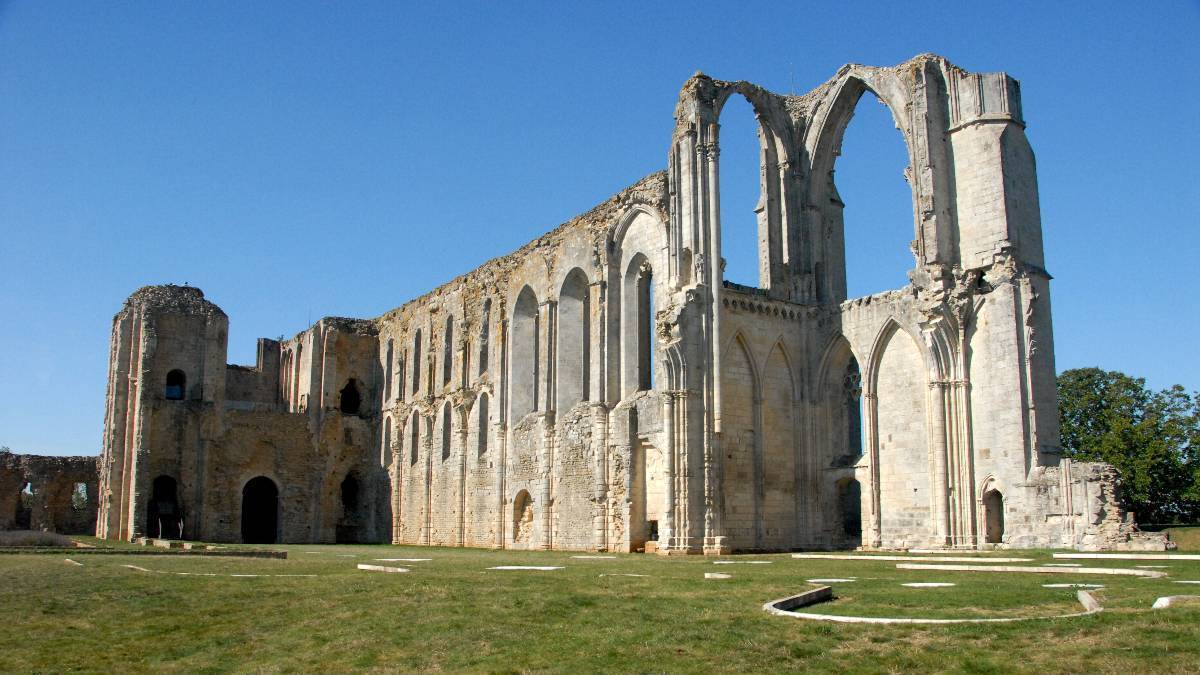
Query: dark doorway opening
<point>351,400</point>
<point>260,511</point>
<point>164,518</point>
<point>850,506</point>
<point>349,525</point>
<point>993,510</point>
<point>24,515</point>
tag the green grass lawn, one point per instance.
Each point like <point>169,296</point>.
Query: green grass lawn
<point>452,613</point>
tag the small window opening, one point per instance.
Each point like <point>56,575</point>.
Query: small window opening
<point>79,497</point>
<point>483,425</point>
<point>176,385</point>
<point>446,431</point>
<point>652,528</point>
<point>416,362</point>
<point>484,330</point>
<point>415,438</point>
<point>350,398</point>
<point>645,320</point>
<point>448,351</point>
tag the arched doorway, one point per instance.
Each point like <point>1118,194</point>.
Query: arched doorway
<point>850,510</point>
<point>348,525</point>
<point>522,524</point>
<point>260,511</point>
<point>164,518</point>
<point>993,516</point>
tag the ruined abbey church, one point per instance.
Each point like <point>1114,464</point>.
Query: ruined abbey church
<point>604,388</point>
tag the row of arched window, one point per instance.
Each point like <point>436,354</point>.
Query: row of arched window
<point>482,425</point>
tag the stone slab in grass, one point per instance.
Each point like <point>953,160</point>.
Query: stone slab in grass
<point>928,584</point>
<point>949,551</point>
<point>742,562</point>
<point>787,607</point>
<point>403,559</point>
<point>717,575</point>
<point>1072,585</point>
<point>382,568</point>
<point>1169,600</point>
<point>829,581</point>
<point>1128,556</point>
<point>1032,569</point>
<point>535,568</point>
<point>622,574</point>
<point>940,558</point>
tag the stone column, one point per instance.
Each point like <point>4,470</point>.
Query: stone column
<point>666,536</point>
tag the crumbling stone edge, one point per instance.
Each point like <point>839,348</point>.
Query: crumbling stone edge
<point>785,607</point>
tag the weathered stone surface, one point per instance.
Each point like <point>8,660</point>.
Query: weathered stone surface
<point>58,494</point>
<point>604,388</point>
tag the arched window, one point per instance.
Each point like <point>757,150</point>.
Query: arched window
<point>645,296</point>
<point>852,400</point>
<point>573,353</point>
<point>484,332</point>
<point>525,350</point>
<point>416,363</point>
<point>448,351</point>
<point>870,189</point>
<point>447,413</point>
<point>414,438</point>
<point>481,425</point>
<point>637,326</point>
<point>176,385</point>
<point>385,453</point>
<point>350,400</point>
<point>387,372</point>
<point>296,379</point>
<point>400,372</point>
<point>742,203</point>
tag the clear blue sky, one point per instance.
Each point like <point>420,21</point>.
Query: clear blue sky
<point>297,160</point>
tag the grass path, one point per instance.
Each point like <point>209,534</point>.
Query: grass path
<point>452,613</point>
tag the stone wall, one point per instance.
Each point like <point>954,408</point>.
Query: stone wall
<point>56,494</point>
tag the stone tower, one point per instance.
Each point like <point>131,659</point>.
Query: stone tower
<point>166,372</point>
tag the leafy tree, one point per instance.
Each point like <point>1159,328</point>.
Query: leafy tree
<point>1152,438</point>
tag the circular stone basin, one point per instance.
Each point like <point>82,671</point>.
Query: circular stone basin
<point>928,584</point>
<point>829,581</point>
<point>1072,585</point>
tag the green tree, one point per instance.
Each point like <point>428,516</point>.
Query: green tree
<point>1152,438</point>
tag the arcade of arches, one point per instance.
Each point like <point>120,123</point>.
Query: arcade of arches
<point>606,387</point>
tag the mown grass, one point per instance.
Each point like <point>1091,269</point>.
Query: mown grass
<point>1186,538</point>
<point>452,613</point>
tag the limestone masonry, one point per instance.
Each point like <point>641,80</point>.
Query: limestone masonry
<point>603,388</point>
